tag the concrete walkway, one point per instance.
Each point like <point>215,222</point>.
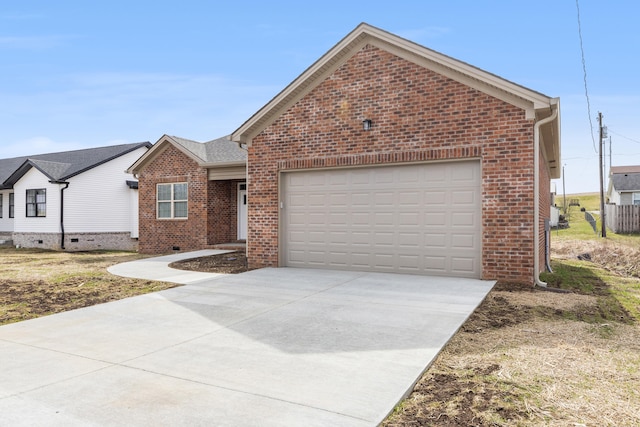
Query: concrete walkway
<point>158,268</point>
<point>270,347</point>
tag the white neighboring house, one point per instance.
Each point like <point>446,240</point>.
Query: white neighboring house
<point>72,200</point>
<point>624,185</point>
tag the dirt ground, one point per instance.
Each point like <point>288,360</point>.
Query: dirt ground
<point>228,263</point>
<point>36,283</point>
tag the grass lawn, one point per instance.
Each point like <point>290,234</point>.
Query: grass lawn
<point>35,283</point>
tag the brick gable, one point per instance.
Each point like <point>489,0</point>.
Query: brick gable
<point>162,235</point>
<point>418,115</point>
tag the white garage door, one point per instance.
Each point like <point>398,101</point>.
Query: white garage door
<point>418,219</point>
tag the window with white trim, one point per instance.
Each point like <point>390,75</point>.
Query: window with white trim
<point>636,199</point>
<point>172,200</point>
<point>37,203</point>
<point>1,205</point>
<point>11,205</point>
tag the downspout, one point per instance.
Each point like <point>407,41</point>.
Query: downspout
<point>66,185</point>
<point>536,195</point>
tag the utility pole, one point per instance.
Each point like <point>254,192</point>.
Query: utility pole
<point>602,215</point>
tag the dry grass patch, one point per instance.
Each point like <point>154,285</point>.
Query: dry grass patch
<point>34,283</point>
<point>532,357</point>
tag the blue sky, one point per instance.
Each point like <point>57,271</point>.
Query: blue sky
<point>77,74</point>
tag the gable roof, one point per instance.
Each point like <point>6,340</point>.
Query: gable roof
<point>625,178</point>
<point>218,152</point>
<point>62,165</point>
<point>536,105</point>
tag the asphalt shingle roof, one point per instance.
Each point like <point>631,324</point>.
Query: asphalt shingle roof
<point>220,150</point>
<point>62,165</point>
<point>626,181</point>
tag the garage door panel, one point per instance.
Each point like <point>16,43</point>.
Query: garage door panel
<point>418,219</point>
<point>408,176</point>
<point>435,198</point>
<point>338,219</point>
<point>409,262</point>
<point>384,199</point>
<point>383,219</point>
<point>339,199</point>
<point>437,241</point>
<point>435,263</point>
<point>384,239</point>
<point>410,219</point>
<point>435,218</point>
<point>463,241</point>
<point>409,198</point>
<point>362,219</point>
<point>297,219</point>
<point>462,265</point>
<point>360,199</point>
<point>316,219</point>
<point>360,259</point>
<point>385,177</point>
<point>408,240</point>
<point>317,237</point>
<point>463,197</point>
<point>463,219</point>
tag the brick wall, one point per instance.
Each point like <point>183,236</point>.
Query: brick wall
<point>162,235</point>
<point>223,211</point>
<point>417,115</point>
<point>113,241</point>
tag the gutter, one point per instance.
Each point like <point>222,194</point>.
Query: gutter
<point>536,194</point>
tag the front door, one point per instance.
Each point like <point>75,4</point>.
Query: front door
<point>242,211</point>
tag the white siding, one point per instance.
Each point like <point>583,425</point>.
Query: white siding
<point>615,198</point>
<point>626,199</point>
<point>33,180</point>
<point>6,223</point>
<point>99,199</point>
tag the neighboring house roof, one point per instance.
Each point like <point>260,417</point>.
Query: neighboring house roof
<point>625,181</point>
<point>624,169</point>
<point>219,152</point>
<point>536,105</point>
<point>62,165</point>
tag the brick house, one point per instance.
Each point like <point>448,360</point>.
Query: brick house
<point>191,195</point>
<point>388,156</point>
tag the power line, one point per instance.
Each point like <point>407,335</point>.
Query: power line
<point>625,137</point>
<point>584,72</point>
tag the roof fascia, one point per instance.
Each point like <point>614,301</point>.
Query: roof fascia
<point>134,148</point>
<point>551,142</point>
<point>224,164</point>
<point>364,34</point>
<point>158,148</point>
<point>21,171</point>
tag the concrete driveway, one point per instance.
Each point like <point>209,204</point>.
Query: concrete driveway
<point>281,347</point>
